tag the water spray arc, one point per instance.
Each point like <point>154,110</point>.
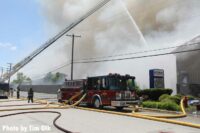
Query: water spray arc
<point>142,39</point>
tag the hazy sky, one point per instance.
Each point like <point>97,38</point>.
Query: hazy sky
<point>21,29</point>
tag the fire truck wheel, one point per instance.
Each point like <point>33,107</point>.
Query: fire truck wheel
<point>89,105</point>
<point>119,108</point>
<point>60,101</point>
<point>97,103</point>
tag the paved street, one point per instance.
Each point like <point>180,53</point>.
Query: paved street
<point>85,122</point>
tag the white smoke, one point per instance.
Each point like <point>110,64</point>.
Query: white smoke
<point>112,30</point>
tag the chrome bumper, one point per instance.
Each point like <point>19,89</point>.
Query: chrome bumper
<point>123,103</point>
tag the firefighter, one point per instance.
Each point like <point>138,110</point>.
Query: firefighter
<point>18,92</point>
<point>30,95</point>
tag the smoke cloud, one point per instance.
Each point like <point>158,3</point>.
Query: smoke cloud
<point>119,27</point>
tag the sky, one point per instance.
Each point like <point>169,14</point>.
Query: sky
<point>21,29</point>
<point>119,27</point>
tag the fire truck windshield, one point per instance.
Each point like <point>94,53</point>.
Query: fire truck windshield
<point>111,82</point>
<point>121,83</point>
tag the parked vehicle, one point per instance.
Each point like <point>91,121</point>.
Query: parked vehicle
<point>109,90</point>
<point>4,90</point>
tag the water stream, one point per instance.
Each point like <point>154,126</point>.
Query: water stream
<point>134,23</point>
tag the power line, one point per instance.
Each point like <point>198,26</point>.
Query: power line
<point>137,57</point>
<point>53,70</point>
<point>66,64</point>
<point>101,57</point>
<point>96,61</point>
<point>140,52</point>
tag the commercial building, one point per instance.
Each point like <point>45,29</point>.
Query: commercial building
<point>188,68</point>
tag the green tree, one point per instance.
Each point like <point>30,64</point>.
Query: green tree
<point>48,77</point>
<point>21,78</point>
<point>54,78</point>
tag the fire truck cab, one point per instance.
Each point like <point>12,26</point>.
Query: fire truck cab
<point>109,90</point>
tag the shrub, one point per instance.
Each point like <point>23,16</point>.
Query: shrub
<point>150,104</point>
<point>175,99</point>
<point>154,94</point>
<point>162,105</point>
<point>163,96</point>
<point>167,98</point>
<point>178,97</point>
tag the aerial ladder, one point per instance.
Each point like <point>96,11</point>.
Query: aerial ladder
<point>28,59</point>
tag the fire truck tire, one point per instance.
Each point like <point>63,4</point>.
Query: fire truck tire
<point>96,103</point>
<point>119,108</point>
<point>89,105</point>
<point>60,101</point>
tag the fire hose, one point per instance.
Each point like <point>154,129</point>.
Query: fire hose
<point>149,117</point>
<point>19,105</point>
<point>182,114</point>
<point>54,121</point>
<point>47,107</point>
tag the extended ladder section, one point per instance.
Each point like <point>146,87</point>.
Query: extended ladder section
<point>26,60</point>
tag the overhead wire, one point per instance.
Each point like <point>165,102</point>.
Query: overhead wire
<point>175,52</point>
<point>109,56</point>
<point>53,70</point>
<point>85,60</point>
<point>137,57</point>
<point>91,60</point>
<point>140,52</point>
<point>161,1</point>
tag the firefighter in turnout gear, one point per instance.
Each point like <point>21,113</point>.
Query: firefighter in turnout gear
<point>18,92</point>
<point>30,95</point>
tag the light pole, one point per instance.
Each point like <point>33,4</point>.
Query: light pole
<point>72,57</point>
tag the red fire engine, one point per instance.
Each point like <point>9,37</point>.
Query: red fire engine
<point>110,90</point>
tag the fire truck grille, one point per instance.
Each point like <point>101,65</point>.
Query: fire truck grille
<point>126,95</point>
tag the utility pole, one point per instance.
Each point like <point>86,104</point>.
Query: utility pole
<point>1,78</point>
<point>9,71</point>
<point>1,72</point>
<point>72,57</point>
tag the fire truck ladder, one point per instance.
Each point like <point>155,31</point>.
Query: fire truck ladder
<point>28,59</point>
